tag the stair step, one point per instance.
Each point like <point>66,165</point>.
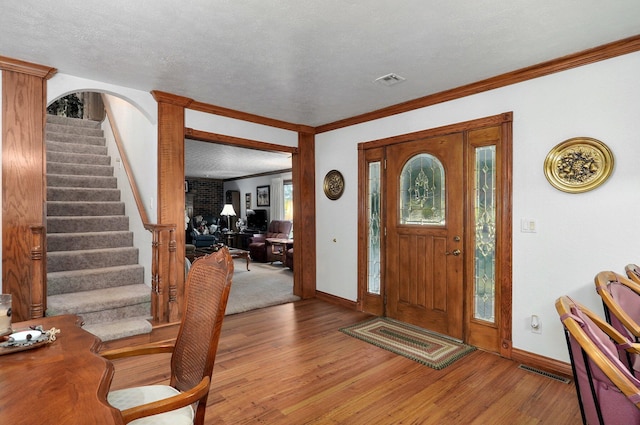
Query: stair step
<point>62,180</point>
<point>75,129</point>
<point>102,305</point>
<point>77,148</point>
<point>86,280</point>
<point>87,224</point>
<point>78,158</point>
<point>58,261</point>
<point>88,240</point>
<point>92,265</point>
<point>73,208</point>
<point>117,329</point>
<point>79,169</point>
<point>76,122</point>
<point>82,194</point>
<point>75,138</point>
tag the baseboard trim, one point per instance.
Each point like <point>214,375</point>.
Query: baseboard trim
<point>542,362</point>
<point>343,302</point>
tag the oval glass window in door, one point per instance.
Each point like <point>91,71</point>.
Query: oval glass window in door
<point>422,191</point>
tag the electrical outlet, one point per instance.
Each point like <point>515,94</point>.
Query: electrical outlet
<point>535,324</point>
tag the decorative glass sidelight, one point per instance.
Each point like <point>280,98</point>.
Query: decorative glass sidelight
<point>422,191</point>
<point>373,214</point>
<point>485,234</point>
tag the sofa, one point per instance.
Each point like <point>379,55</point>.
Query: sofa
<point>260,249</point>
<point>204,232</point>
<point>203,241</point>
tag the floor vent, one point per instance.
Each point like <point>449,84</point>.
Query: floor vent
<point>544,373</point>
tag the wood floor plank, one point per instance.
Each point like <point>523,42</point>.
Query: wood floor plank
<point>290,364</point>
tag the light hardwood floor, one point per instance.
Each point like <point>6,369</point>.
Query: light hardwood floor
<point>289,364</point>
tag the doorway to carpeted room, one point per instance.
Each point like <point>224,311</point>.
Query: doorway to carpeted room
<point>267,284</point>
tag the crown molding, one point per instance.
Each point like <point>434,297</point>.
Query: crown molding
<point>17,65</point>
<point>585,57</point>
<point>245,116</point>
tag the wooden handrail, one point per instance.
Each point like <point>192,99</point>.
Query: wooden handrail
<point>125,162</point>
<point>164,289</point>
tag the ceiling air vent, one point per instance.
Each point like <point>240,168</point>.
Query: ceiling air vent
<point>390,79</point>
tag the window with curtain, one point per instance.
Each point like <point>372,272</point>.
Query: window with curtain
<point>288,200</point>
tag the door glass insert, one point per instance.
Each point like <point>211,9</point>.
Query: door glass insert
<point>485,234</point>
<point>422,191</point>
<point>373,214</point>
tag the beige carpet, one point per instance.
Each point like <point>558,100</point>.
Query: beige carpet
<point>265,285</point>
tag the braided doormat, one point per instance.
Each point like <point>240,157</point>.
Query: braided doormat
<point>428,348</point>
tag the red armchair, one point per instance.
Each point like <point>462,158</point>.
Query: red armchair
<point>260,249</point>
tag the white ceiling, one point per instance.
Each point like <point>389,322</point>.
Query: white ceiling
<point>305,62</point>
<point>218,161</point>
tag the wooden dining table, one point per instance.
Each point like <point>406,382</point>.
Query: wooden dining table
<point>61,382</point>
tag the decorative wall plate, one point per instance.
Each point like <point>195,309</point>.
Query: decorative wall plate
<point>578,165</point>
<point>333,184</point>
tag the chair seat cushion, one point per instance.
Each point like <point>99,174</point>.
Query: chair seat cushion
<point>131,397</point>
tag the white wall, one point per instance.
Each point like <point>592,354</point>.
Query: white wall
<point>62,84</point>
<point>231,127</point>
<point>578,234</point>
<point>139,140</point>
<point>1,185</point>
<point>250,185</point>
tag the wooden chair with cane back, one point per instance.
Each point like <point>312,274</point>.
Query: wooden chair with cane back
<point>607,392</point>
<point>192,355</point>
<point>621,302</point>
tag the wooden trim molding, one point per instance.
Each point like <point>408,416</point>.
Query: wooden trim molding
<point>541,362</point>
<point>339,301</point>
<point>22,67</point>
<point>585,57</point>
<point>172,99</point>
<point>170,197</point>
<point>205,136</point>
<point>24,187</point>
<point>245,116</point>
<point>304,217</point>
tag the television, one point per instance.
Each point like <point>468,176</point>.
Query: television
<point>258,221</point>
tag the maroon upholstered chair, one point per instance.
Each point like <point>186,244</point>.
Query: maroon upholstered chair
<point>607,392</point>
<point>633,272</point>
<point>259,248</point>
<point>288,259</point>
<point>621,301</point>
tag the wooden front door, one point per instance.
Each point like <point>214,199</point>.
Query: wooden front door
<point>424,255</point>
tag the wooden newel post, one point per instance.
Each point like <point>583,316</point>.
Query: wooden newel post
<point>174,310</point>
<point>38,274</point>
<point>164,303</point>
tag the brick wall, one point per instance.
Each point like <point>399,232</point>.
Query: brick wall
<point>208,196</point>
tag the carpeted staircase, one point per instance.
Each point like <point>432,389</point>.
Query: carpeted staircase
<point>92,265</point>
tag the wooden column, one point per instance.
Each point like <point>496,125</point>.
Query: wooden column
<point>171,134</point>
<point>24,87</point>
<point>304,220</point>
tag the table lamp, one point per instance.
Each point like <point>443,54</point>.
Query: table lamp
<point>228,211</point>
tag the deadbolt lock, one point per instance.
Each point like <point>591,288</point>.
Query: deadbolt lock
<point>456,238</point>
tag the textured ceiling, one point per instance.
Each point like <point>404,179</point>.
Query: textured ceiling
<point>218,161</point>
<point>304,62</point>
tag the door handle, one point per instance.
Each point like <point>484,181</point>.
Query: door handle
<point>455,252</point>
